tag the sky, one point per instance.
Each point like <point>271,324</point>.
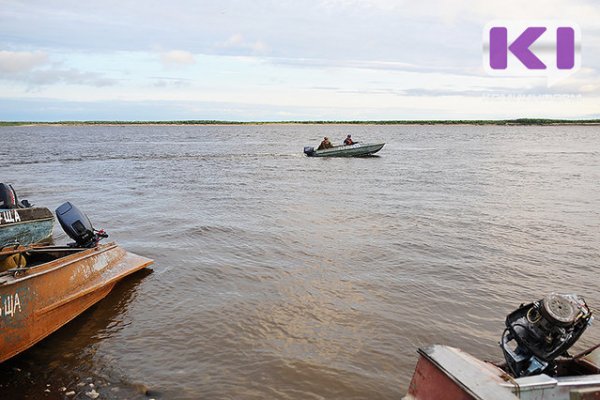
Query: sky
<point>283,60</point>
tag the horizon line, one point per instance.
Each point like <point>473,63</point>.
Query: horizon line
<point>516,121</point>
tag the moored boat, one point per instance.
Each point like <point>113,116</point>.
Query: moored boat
<point>447,373</point>
<point>20,223</point>
<point>353,150</point>
<point>44,287</point>
<point>537,365</point>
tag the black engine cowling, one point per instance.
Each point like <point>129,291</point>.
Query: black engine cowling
<point>78,226</point>
<point>543,330</point>
<point>8,196</point>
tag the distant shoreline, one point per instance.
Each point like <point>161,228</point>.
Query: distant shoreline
<point>520,121</point>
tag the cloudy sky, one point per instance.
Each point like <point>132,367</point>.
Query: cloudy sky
<point>279,60</point>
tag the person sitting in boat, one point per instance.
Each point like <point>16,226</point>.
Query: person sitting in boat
<point>348,141</point>
<point>325,144</point>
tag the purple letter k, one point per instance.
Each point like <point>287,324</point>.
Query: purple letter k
<point>520,48</point>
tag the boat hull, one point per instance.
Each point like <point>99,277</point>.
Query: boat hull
<point>447,373</point>
<point>25,225</point>
<point>355,150</point>
<point>41,299</point>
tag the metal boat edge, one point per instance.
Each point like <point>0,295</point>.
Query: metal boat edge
<point>537,364</point>
<point>36,301</point>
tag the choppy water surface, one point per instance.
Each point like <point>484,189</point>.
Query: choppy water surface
<point>281,276</point>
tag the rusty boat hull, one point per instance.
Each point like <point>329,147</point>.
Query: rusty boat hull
<point>57,285</point>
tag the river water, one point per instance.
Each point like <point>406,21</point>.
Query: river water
<point>286,277</point>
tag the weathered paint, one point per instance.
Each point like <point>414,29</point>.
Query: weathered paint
<point>43,298</point>
<point>9,217</point>
<point>430,383</point>
<point>446,373</point>
<point>10,305</point>
<point>25,226</point>
<point>26,233</point>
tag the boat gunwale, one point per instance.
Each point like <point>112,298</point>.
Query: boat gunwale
<point>440,355</point>
<point>61,263</point>
<point>100,283</point>
<point>353,150</point>
<point>28,222</point>
<point>351,146</point>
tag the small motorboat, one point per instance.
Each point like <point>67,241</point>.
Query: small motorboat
<point>537,365</point>
<point>44,287</point>
<point>353,150</point>
<point>20,222</point>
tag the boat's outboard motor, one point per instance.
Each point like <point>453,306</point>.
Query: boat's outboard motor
<point>308,150</point>
<point>8,196</point>
<point>78,226</point>
<point>543,330</point>
<point>9,199</point>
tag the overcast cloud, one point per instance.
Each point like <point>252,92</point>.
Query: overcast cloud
<point>242,60</point>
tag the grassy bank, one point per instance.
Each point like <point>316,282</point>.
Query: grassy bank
<point>520,121</point>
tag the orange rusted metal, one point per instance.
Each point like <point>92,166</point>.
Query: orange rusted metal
<point>58,284</point>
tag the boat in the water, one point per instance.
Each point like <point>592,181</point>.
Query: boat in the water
<point>21,223</point>
<point>44,287</point>
<point>353,150</point>
<point>537,365</point>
